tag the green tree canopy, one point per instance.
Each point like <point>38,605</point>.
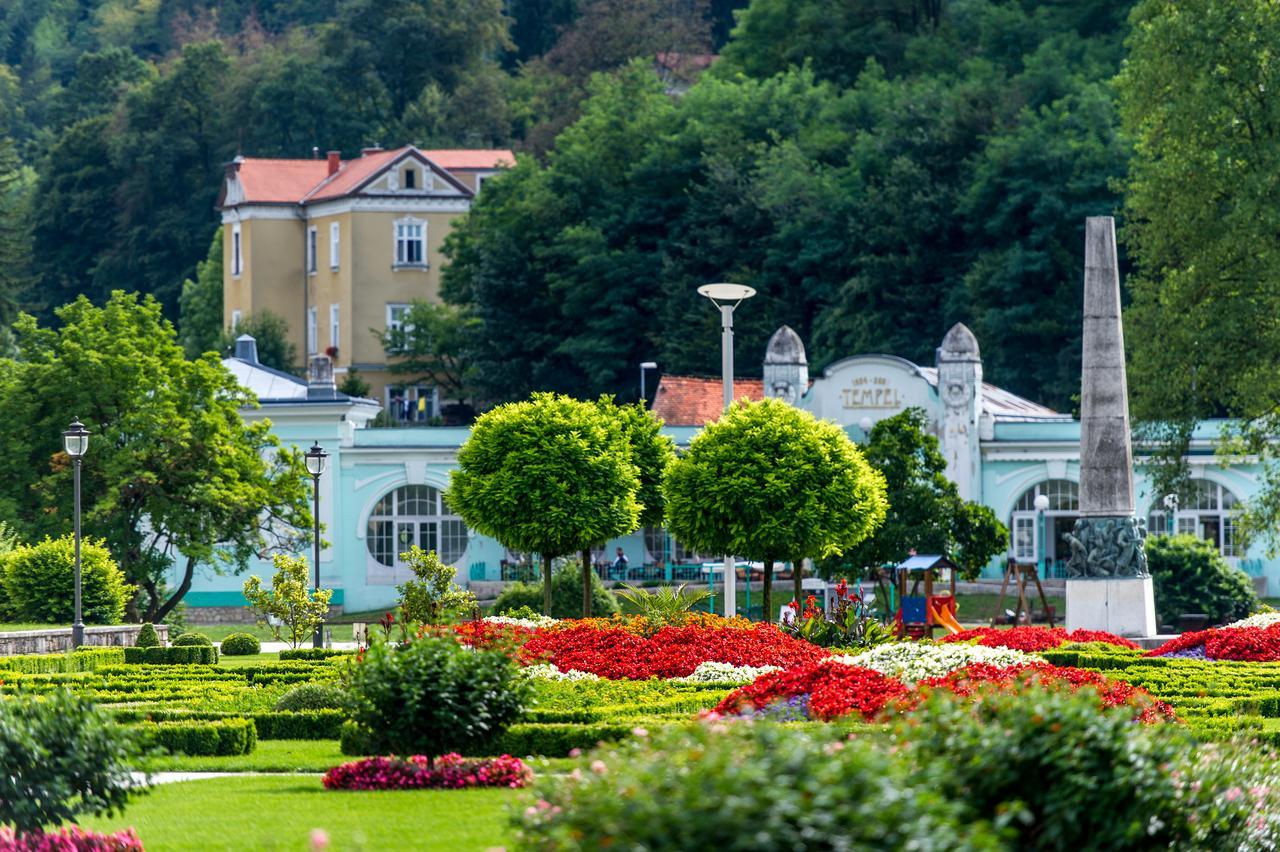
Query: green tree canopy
<point>200,305</point>
<point>433,345</point>
<point>551,475</point>
<point>173,472</point>
<point>770,482</point>
<point>651,451</point>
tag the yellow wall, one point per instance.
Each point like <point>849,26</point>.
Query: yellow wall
<point>271,279</point>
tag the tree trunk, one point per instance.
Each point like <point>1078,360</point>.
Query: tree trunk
<point>767,595</point>
<point>546,584</point>
<point>797,575</point>
<point>586,583</point>
<point>177,596</point>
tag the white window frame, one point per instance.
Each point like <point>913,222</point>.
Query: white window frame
<point>235,320</point>
<point>335,250</point>
<point>335,328</point>
<point>237,256</point>
<point>311,250</point>
<point>312,332</point>
<point>392,322</point>
<point>401,240</point>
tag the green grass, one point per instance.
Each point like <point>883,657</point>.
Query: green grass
<point>279,813</point>
<point>13,628</point>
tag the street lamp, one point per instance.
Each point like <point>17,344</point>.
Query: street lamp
<point>1170,509</point>
<point>865,424</point>
<point>75,440</point>
<point>726,297</point>
<point>1041,504</point>
<point>644,367</point>
<point>316,458</point>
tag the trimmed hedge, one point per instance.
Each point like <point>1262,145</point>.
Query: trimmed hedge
<point>241,645</point>
<point>313,654</point>
<point>176,655</point>
<point>83,659</point>
<point>201,738</point>
<point>192,639</point>
<point>268,725</point>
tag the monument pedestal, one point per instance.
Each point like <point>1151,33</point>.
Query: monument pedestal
<point>1125,606</point>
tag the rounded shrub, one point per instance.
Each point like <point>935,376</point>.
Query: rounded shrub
<point>566,595</point>
<point>1190,576</point>
<point>240,645</point>
<point>40,582</point>
<point>432,696</point>
<point>147,637</point>
<point>691,787</point>
<point>313,696</point>
<point>192,639</point>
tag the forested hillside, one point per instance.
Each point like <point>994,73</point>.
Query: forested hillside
<point>877,169</point>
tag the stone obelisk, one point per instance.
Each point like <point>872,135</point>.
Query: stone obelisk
<point>1108,586</point>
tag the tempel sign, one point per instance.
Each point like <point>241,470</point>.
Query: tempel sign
<point>871,392</point>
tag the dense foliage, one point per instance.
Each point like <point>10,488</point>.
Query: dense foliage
<point>240,645</point>
<point>566,594</point>
<point>39,583</point>
<point>291,607</point>
<point>1190,576</point>
<point>431,597</point>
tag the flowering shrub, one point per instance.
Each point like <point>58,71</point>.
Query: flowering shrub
<point>1033,639</point>
<point>850,624</point>
<point>529,623</point>
<point>450,772</point>
<point>615,653</point>
<point>834,689</point>
<point>491,634</point>
<point>546,671</point>
<point>1254,644</point>
<point>1261,619</point>
<point>70,839</point>
<point>915,661</point>
<point>725,673</point>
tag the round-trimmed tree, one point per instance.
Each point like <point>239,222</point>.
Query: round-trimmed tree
<point>770,482</point>
<point>551,475</point>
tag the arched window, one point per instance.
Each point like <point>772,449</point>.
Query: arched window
<point>1031,537</point>
<point>1209,511</point>
<point>662,547</point>
<point>415,514</point>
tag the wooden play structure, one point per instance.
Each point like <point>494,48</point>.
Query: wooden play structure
<point>926,592</point>
<point>1020,574</point>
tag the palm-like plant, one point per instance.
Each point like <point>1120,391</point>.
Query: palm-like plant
<point>664,605</point>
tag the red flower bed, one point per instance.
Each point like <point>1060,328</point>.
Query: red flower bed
<point>615,653</point>
<point>72,839</point>
<point>1251,644</point>
<point>450,772</point>
<point>834,690</point>
<point>487,634</point>
<point>1033,639</point>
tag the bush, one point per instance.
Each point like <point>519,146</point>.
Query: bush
<point>187,639</point>
<point>566,595</point>
<point>691,787</point>
<point>313,654</point>
<point>433,696</point>
<point>1191,576</point>
<point>451,772</point>
<point>62,757</point>
<point>181,655</point>
<point>301,725</point>
<point>203,738</point>
<point>147,637</point>
<point>240,645</point>
<point>313,696</point>
<point>432,597</point>
<point>40,582</point>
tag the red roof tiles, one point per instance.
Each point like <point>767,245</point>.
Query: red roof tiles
<point>697,400</point>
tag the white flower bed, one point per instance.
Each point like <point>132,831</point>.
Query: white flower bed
<point>539,621</point>
<point>914,661</point>
<point>710,672</point>
<point>1262,619</point>
<point>548,671</point>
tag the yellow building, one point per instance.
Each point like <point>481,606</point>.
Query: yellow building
<point>340,248</point>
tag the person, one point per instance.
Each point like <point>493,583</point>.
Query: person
<point>619,567</point>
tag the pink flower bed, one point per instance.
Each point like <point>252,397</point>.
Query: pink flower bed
<point>72,839</point>
<point>450,772</point>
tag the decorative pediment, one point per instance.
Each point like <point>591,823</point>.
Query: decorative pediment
<point>413,175</point>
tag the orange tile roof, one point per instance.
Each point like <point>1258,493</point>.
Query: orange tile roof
<point>697,400</point>
<point>283,181</point>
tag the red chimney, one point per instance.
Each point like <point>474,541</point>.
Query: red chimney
<point>335,161</point>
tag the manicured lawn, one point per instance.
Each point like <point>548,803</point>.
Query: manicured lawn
<point>280,812</point>
<point>6,627</point>
<point>218,632</point>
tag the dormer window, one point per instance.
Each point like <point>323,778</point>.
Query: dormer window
<point>410,178</point>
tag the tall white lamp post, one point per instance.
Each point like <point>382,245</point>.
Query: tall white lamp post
<point>75,440</point>
<point>1042,505</point>
<point>726,297</point>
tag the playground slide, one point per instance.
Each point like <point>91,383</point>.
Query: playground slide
<point>942,616</point>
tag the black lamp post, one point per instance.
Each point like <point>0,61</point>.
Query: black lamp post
<point>316,458</point>
<point>75,440</point>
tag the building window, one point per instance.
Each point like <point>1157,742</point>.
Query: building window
<point>237,258</point>
<point>410,178</point>
<point>311,249</point>
<point>334,251</point>
<point>411,403</point>
<point>311,331</point>
<point>411,243</point>
<point>396,316</point>
<point>662,548</point>
<point>415,514</point>
<point>1209,511</point>
<point>334,328</point>
<point>235,320</point>
<point>1031,537</point>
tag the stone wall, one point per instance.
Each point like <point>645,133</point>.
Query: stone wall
<point>198,615</point>
<point>54,641</point>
